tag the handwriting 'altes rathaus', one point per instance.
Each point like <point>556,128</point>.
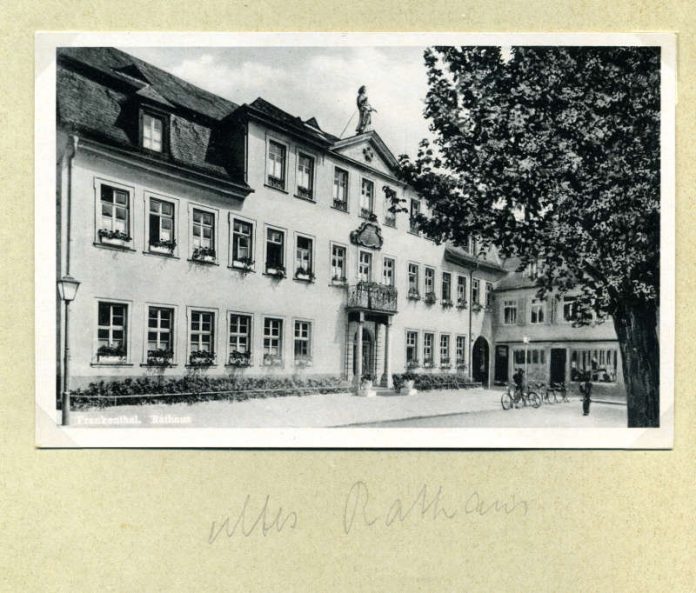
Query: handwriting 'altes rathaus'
<point>222,239</point>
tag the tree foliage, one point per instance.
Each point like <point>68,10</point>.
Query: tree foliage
<point>553,156</point>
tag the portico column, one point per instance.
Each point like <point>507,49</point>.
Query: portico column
<point>379,353</point>
<point>359,349</point>
<point>387,354</point>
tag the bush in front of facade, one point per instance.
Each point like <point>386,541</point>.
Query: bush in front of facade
<point>428,381</point>
<point>200,388</point>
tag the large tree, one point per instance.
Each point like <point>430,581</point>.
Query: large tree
<point>552,154</point>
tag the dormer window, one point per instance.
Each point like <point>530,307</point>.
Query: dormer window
<point>153,132</point>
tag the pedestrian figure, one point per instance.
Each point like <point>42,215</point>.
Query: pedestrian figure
<point>518,378</point>
<point>586,390</point>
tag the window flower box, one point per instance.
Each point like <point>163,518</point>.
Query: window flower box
<point>430,298</point>
<point>462,304</point>
<point>244,264</point>
<point>115,238</point>
<point>276,270</point>
<point>165,247</point>
<point>446,303</point>
<point>276,182</point>
<point>413,295</point>
<point>365,213</point>
<point>204,254</point>
<point>477,307</point>
<point>429,364</point>
<point>111,354</point>
<point>339,280</point>
<point>272,360</point>
<point>445,363</point>
<point>202,358</point>
<point>413,363</point>
<point>159,358</point>
<point>304,193</point>
<point>306,275</point>
<point>340,205</point>
<point>461,365</point>
<point>303,361</point>
<point>239,359</point>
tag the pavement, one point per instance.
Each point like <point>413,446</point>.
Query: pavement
<point>464,407</point>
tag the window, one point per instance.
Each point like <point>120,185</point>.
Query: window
<point>536,363</point>
<point>202,337</point>
<point>203,234</point>
<point>112,331</point>
<point>275,249</point>
<point>429,281</point>
<point>388,267</point>
<point>161,225</point>
<point>338,263</point>
<point>389,213</point>
<point>303,341</point>
<point>303,258</point>
<point>461,351</point>
<point>340,189</point>
<point>600,364</point>
<point>412,348</point>
<point>240,340</point>
<point>461,290</point>
<point>415,210</point>
<point>115,214</point>
<point>242,243</point>
<point>509,312</point>
<point>152,132</point>
<point>428,341</point>
<point>305,176</point>
<point>367,195</point>
<point>444,350</point>
<point>475,290</point>
<point>569,309</point>
<point>365,267</point>
<point>466,244</point>
<point>160,331</point>
<point>446,287</point>
<point>272,341</point>
<point>537,311</point>
<point>276,164</point>
<point>413,281</point>
<point>489,294</point>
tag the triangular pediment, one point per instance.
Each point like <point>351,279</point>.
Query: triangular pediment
<point>368,149</point>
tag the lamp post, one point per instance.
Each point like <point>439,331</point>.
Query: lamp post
<point>525,339</point>
<point>67,289</point>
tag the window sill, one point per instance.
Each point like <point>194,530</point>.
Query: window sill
<point>305,280</point>
<point>111,364</point>
<point>158,366</point>
<point>205,262</point>
<point>309,199</point>
<point>160,254</point>
<point>114,247</point>
<point>200,366</point>
<point>242,268</point>
<point>390,225</point>
<point>414,233</point>
<point>344,210</point>
<point>339,283</point>
<point>274,188</point>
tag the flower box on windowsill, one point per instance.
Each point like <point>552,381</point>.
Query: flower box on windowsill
<point>462,304</point>
<point>340,205</point>
<point>304,193</point>
<point>244,264</point>
<point>429,364</point>
<point>413,295</point>
<point>239,359</point>
<point>272,360</point>
<point>446,303</point>
<point>111,355</point>
<point>304,275</point>
<point>163,247</point>
<point>445,363</point>
<point>412,364</point>
<point>114,238</point>
<point>276,183</point>
<point>336,281</point>
<point>430,298</point>
<point>204,255</point>
<point>461,366</point>
<point>276,271</point>
<point>477,307</point>
<point>202,358</point>
<point>159,358</point>
<point>303,361</point>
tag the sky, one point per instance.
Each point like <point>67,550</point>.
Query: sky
<point>319,82</point>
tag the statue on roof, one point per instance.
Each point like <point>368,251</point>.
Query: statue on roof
<point>365,109</point>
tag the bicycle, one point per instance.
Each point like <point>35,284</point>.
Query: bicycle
<point>560,389</point>
<point>513,396</point>
<point>548,393</point>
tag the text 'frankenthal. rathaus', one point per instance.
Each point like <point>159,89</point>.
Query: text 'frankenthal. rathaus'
<point>240,239</point>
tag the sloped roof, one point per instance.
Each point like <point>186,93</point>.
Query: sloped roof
<point>515,279</point>
<point>375,139</point>
<point>461,257</point>
<point>293,123</point>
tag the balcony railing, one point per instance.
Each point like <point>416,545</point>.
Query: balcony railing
<point>373,297</point>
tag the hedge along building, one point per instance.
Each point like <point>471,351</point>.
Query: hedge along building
<point>216,238</point>
<point>539,335</point>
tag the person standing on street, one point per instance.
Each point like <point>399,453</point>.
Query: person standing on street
<point>586,390</point>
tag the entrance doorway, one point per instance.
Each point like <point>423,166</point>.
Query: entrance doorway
<point>558,365</point>
<point>502,354</point>
<point>368,353</point>
<point>480,361</point>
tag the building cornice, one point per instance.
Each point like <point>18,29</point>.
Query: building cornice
<point>472,262</point>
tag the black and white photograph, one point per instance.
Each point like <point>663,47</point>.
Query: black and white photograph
<point>355,241</point>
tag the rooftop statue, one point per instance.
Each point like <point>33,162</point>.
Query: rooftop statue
<point>365,109</point>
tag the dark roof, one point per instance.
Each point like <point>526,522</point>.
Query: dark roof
<point>292,122</point>
<point>515,279</point>
<point>461,257</point>
<point>100,91</point>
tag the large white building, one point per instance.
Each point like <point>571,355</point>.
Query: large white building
<point>239,239</point>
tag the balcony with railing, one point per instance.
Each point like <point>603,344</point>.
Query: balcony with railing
<point>371,296</point>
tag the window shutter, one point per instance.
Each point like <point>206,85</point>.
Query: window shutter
<point>521,311</point>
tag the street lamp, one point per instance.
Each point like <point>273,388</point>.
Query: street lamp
<point>67,289</point>
<point>525,339</point>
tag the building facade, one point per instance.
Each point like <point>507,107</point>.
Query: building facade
<point>217,238</point>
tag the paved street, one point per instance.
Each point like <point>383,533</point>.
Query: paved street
<point>461,408</point>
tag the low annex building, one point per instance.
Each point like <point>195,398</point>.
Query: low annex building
<point>218,238</point>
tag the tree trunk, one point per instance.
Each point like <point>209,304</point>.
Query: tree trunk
<point>636,328</point>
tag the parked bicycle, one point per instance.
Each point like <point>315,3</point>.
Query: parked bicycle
<point>516,395</point>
